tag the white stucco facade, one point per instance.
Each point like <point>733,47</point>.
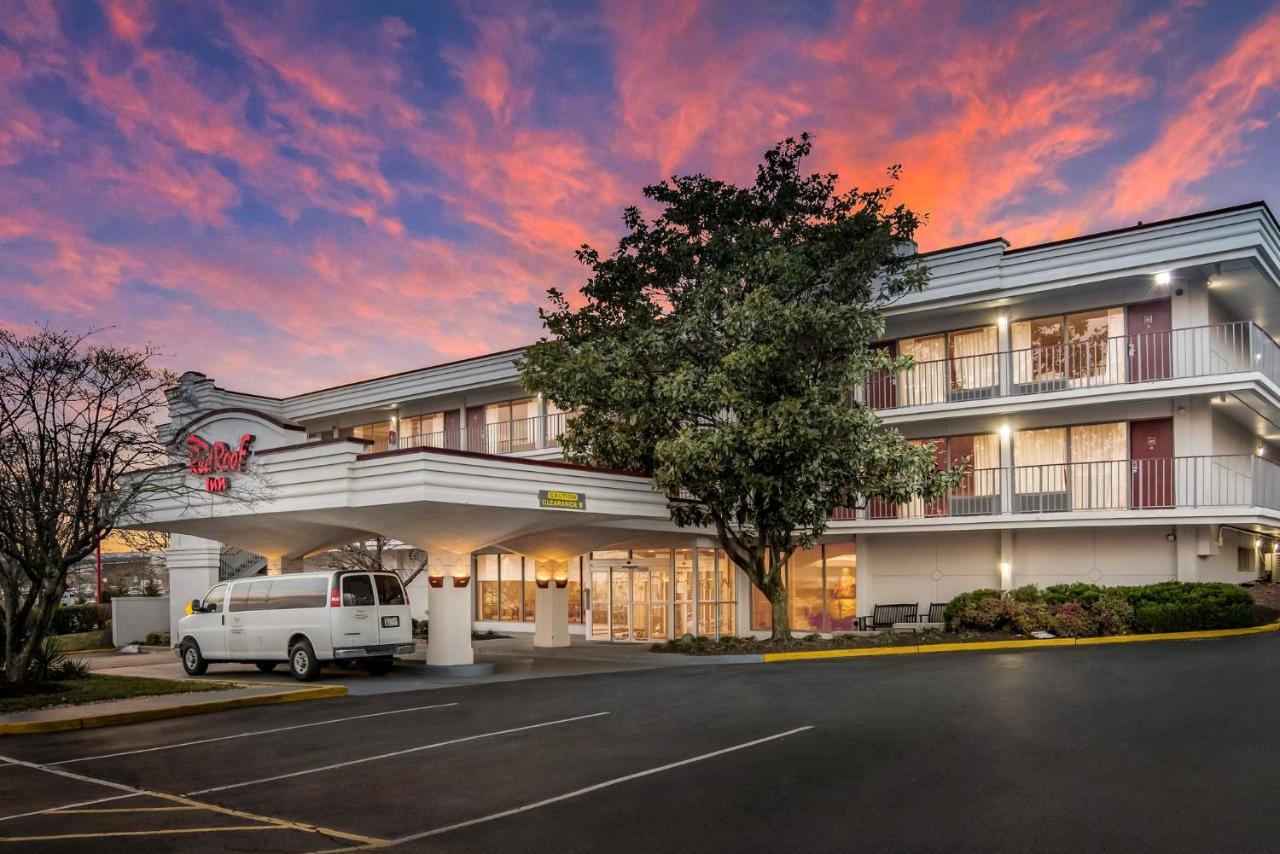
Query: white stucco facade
<point>1117,397</point>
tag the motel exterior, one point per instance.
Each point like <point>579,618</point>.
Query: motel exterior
<point>1117,393</point>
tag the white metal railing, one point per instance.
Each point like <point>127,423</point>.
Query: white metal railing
<point>1144,357</point>
<point>1135,485</point>
<point>501,437</point>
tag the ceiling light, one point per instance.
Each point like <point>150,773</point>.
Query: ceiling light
<point>1164,277</point>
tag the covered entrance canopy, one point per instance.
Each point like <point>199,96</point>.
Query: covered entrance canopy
<point>293,500</point>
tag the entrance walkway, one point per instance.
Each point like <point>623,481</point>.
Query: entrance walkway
<point>514,658</point>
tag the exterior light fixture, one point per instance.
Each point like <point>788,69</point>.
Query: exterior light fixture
<point>1261,450</point>
<point>1164,277</point>
<point>1005,431</point>
<point>561,576</point>
<point>1257,543</point>
<point>435,576</point>
<point>542,575</point>
<point>1002,321</point>
<point>461,573</point>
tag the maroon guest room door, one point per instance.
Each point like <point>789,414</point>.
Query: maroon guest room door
<point>1151,461</point>
<point>1148,325</point>
<point>882,386</point>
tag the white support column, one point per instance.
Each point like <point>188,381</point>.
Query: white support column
<point>1005,349</point>
<point>281,565</point>
<point>1186,550</point>
<point>1006,470</point>
<point>193,565</point>
<point>551,605</point>
<point>540,425</point>
<point>1007,568</point>
<point>449,612</point>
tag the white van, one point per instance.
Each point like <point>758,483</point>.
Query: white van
<point>306,619</point>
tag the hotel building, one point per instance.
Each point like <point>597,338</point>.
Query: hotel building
<point>1118,395</point>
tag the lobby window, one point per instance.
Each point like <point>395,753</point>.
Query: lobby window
<point>717,595</point>
<point>486,573</point>
<point>510,587</point>
<point>683,594</point>
<point>821,589</point>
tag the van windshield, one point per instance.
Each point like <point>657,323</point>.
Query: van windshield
<point>389,590</point>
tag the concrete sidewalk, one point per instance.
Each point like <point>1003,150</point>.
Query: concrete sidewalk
<point>513,658</point>
<point>136,709</point>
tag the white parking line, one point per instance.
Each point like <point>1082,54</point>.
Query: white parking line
<point>248,734</point>
<point>393,754</point>
<point>130,791</point>
<point>588,789</point>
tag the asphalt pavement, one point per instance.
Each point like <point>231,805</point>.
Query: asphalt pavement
<point>1163,747</point>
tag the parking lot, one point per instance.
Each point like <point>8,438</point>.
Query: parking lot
<point>1151,747</point>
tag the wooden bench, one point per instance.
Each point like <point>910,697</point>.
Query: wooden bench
<point>886,616</point>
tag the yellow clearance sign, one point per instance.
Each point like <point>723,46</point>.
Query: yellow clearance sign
<point>562,500</point>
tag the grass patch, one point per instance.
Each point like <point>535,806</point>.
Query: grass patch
<point>94,689</point>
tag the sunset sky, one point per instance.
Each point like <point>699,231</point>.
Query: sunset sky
<point>290,196</point>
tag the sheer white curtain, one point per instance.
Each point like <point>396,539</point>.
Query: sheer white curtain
<point>926,380</point>
<point>972,365</point>
<point>1099,466</point>
<point>1040,457</point>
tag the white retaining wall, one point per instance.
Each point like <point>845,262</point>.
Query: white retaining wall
<point>135,617</point>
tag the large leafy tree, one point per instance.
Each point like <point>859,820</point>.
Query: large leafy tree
<point>720,346</point>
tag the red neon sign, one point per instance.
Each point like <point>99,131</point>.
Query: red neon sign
<point>216,459</point>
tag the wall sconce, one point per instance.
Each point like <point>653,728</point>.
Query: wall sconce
<point>461,573</point>
<point>561,576</point>
<point>541,575</point>
<point>1002,321</point>
<point>1261,450</point>
<point>1005,431</point>
<point>1163,278</point>
<point>435,576</point>
<point>1006,574</point>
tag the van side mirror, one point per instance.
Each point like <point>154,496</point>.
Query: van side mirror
<point>195,607</point>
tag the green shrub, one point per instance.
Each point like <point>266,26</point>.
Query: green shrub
<point>1026,593</point>
<point>1113,614</point>
<point>72,668</point>
<point>1085,594</point>
<point>73,619</point>
<point>964,600</point>
<point>1085,610</point>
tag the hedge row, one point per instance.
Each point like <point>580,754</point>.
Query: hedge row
<point>1086,610</point>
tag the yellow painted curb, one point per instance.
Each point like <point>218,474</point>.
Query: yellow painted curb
<point>322,692</point>
<point>978,646</point>
<point>839,653</point>
<point>1033,643</point>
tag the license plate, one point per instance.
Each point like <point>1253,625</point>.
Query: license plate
<point>390,622</point>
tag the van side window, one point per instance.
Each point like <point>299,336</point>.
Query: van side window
<point>357,590</point>
<point>212,603</point>
<point>389,590</point>
<point>289,593</point>
<point>258,592</point>
<point>239,597</point>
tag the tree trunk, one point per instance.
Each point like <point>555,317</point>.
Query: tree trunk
<point>781,613</point>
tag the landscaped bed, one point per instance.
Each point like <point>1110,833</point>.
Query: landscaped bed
<point>1061,611</point>
<point>94,689</point>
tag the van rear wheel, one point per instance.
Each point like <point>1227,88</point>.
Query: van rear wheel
<point>192,660</point>
<point>302,662</point>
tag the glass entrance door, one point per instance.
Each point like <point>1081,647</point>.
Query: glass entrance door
<point>631,603</point>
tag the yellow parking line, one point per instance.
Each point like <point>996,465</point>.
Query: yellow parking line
<point>143,832</point>
<point>281,822</point>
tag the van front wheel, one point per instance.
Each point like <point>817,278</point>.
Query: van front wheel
<point>302,662</point>
<point>192,661</point>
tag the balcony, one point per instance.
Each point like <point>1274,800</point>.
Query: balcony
<point>502,437</point>
<point>1112,486</point>
<point>1201,351</point>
